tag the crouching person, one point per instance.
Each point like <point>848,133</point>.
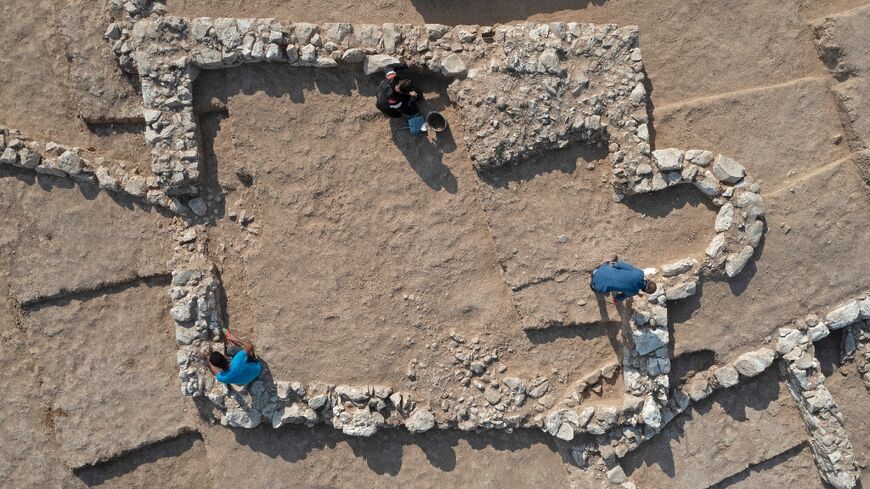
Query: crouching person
<point>244,366</point>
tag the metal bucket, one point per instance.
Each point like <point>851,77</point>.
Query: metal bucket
<point>436,121</point>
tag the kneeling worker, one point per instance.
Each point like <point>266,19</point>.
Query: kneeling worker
<point>397,96</point>
<point>620,277</point>
<point>243,368</point>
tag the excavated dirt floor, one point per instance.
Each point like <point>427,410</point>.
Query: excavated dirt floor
<point>368,248</point>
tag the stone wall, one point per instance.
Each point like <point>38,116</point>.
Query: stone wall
<point>67,162</point>
<point>523,89</point>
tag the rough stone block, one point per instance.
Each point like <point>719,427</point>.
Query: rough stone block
<point>753,363</point>
<point>375,63</point>
<point>728,170</point>
<point>843,315</point>
<point>670,159</point>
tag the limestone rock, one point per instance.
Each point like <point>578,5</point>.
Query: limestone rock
<point>453,66</point>
<point>539,389</point>
<point>375,63</point>
<point>753,363</point>
<point>668,159</point>
<point>751,202</point>
<point>421,420</point>
<point>307,55</point>
<point>585,415</point>
<point>698,388</point>
<point>727,170</point>
<point>647,341</point>
<point>678,267</point>
<point>681,291</point>
<point>305,31</point>
<point>492,396</point>
<point>282,389</point>
<point>725,218</point>
<point>105,180</point>
<point>318,401</point>
<point>242,418</point>
<point>186,335</point>
<point>864,308</point>
<point>818,332</point>
<point>616,475</point>
<point>707,184</point>
<point>699,157</point>
<point>352,393</point>
<point>754,232</point>
<point>734,263</point>
<point>9,157</point>
<point>70,162</point>
<point>29,159</point>
<point>716,246</point>
<point>638,94</point>
<point>361,422</point>
<point>789,338</point>
<point>184,310</point>
<point>136,186</point>
<point>565,432</point>
<point>844,315</point>
<point>514,384</point>
<point>198,206</point>
<point>436,31</point>
<point>353,55</point>
<point>726,376</point>
<point>297,412</point>
<point>651,414</point>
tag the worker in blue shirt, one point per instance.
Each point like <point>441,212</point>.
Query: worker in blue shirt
<point>622,278</point>
<point>243,368</point>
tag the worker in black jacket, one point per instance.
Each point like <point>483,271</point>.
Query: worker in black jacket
<point>397,96</point>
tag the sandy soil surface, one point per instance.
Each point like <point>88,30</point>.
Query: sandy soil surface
<point>738,427</point>
<point>321,459</point>
<point>367,248</point>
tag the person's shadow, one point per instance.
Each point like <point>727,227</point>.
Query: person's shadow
<point>423,156</point>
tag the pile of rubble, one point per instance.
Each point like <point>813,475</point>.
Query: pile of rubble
<point>66,162</point>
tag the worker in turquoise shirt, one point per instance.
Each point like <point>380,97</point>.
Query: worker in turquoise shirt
<point>243,368</point>
<point>622,278</point>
